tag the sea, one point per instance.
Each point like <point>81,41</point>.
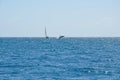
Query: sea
<point>60,59</point>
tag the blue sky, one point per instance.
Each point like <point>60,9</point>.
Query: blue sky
<point>72,18</point>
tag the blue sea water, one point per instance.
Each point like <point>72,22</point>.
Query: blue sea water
<point>60,59</point>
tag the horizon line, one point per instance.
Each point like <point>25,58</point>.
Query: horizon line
<point>64,37</point>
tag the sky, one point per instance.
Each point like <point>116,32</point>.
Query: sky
<point>72,18</point>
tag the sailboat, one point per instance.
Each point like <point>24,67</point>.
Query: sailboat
<point>60,37</point>
<point>46,34</point>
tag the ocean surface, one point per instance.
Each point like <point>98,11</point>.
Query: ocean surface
<point>60,59</point>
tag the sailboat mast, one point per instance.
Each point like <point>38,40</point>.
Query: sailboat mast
<point>45,32</point>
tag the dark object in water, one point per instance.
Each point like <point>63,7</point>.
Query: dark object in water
<point>61,37</point>
<point>46,37</point>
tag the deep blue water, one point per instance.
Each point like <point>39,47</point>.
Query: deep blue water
<point>60,59</point>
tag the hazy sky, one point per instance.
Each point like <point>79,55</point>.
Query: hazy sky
<point>78,18</point>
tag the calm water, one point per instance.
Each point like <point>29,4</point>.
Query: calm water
<point>60,59</point>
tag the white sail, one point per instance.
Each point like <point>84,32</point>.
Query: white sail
<point>46,33</point>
